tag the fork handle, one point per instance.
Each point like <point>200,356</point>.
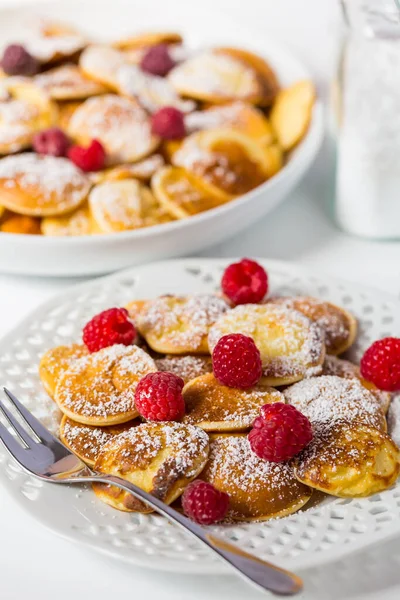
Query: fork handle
<point>256,571</point>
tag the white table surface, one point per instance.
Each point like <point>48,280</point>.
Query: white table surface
<point>35,563</point>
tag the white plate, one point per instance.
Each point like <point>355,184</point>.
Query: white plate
<point>317,535</point>
<point>37,255</point>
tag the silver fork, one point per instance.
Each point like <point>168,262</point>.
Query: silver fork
<point>40,454</point>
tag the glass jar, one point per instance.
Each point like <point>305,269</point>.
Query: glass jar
<point>367,111</point>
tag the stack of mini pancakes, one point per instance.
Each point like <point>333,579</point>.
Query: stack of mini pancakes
<point>240,129</point>
<point>299,338</point>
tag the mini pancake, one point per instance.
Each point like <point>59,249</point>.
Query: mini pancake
<point>215,407</point>
<point>239,116</point>
<point>123,205</point>
<point>226,160</point>
<point>160,458</point>
<point>57,360</point>
<point>102,63</point>
<point>349,461</point>
<point>41,186</point>
<point>24,110</point>
<point>291,346</point>
<point>142,170</point>
<point>12,223</point>
<point>258,490</point>
<point>348,370</point>
<point>152,92</point>
<point>183,194</point>
<point>292,112</point>
<point>52,48</point>
<point>134,308</point>
<point>180,324</point>
<point>146,40</point>
<point>120,124</point>
<point>187,367</point>
<point>67,82</point>
<point>327,399</point>
<point>224,74</point>
<point>76,223</point>
<point>99,389</point>
<point>265,73</point>
<point>86,441</point>
<point>339,325</point>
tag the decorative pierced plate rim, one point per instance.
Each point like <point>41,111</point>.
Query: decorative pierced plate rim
<point>257,537</point>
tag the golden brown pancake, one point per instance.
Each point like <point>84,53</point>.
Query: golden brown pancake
<point>349,461</point>
<point>57,360</point>
<point>226,160</point>
<point>339,326</point>
<point>99,389</point>
<point>180,324</point>
<point>120,124</point>
<point>86,441</point>
<point>291,346</point>
<point>75,223</point>
<point>292,112</point>
<point>68,82</point>
<point>215,407</point>
<point>258,490</point>
<point>41,186</point>
<point>160,458</point>
<point>24,110</point>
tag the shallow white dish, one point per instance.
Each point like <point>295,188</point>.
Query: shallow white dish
<point>322,533</point>
<point>89,255</point>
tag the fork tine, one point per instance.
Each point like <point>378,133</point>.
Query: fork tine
<point>19,430</point>
<point>11,444</point>
<point>35,425</point>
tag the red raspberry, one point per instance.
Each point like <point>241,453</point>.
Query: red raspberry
<point>245,282</point>
<point>17,61</point>
<point>91,158</point>
<point>109,327</point>
<point>51,141</point>
<point>203,503</point>
<point>236,361</point>
<point>280,433</point>
<point>157,60</point>
<point>168,123</point>
<point>381,364</point>
<point>159,397</point>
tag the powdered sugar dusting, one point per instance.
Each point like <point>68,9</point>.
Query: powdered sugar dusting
<point>328,399</point>
<point>50,176</point>
<point>16,118</point>
<point>289,343</point>
<point>344,368</point>
<point>47,48</point>
<point>121,124</point>
<point>103,384</point>
<point>187,367</point>
<point>140,445</point>
<point>333,320</point>
<point>151,91</point>
<point>182,321</point>
<point>212,74</point>
<point>85,440</point>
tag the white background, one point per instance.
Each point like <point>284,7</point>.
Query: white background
<point>36,564</point>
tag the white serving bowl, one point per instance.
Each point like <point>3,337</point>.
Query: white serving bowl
<point>91,255</point>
